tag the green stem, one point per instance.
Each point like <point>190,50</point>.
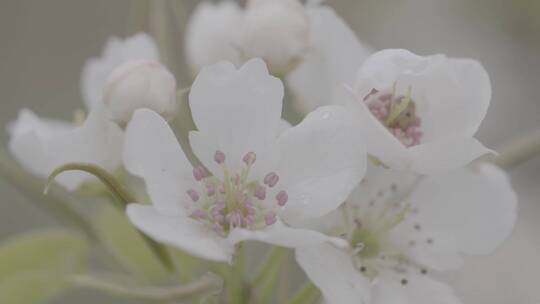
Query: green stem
<point>519,151</point>
<point>208,283</point>
<point>267,276</point>
<point>308,293</point>
<point>59,204</point>
<point>120,193</point>
<point>235,281</point>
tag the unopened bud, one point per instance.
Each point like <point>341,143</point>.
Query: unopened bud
<point>277,31</point>
<point>140,84</point>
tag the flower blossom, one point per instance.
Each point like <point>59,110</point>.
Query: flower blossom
<point>308,45</point>
<point>402,227</point>
<point>41,144</point>
<point>421,113</point>
<point>140,84</point>
<point>116,52</point>
<point>256,180</point>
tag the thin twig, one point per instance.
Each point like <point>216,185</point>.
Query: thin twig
<point>519,151</point>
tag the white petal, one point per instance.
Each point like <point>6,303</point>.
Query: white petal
<point>181,232</point>
<point>476,205</point>
<point>380,142</point>
<point>334,58</point>
<point>332,271</point>
<point>441,255</point>
<point>212,34</point>
<point>42,145</point>
<point>236,111</point>
<point>280,235</point>
<point>445,154</point>
<point>382,186</point>
<point>320,161</point>
<point>419,289</point>
<point>451,95</point>
<point>153,153</point>
<point>115,52</point>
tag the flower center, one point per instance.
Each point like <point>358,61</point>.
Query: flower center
<point>397,114</point>
<point>368,229</point>
<point>235,200</point>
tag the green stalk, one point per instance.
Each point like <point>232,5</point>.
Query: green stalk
<point>122,196</point>
<point>519,151</point>
<point>235,280</point>
<point>267,276</point>
<point>207,284</point>
<point>59,204</point>
<point>308,293</point>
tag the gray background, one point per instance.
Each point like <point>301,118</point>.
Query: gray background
<point>43,45</point>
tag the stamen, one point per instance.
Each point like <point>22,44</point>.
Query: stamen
<point>199,173</point>
<point>249,158</point>
<point>282,198</point>
<point>233,200</point>
<point>270,219</point>
<point>194,195</point>
<point>397,114</point>
<point>260,192</point>
<point>219,157</point>
<point>271,179</point>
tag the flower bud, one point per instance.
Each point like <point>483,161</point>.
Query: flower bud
<point>140,84</point>
<point>277,31</point>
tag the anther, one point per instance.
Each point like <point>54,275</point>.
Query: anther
<point>199,173</point>
<point>249,158</point>
<point>271,179</point>
<point>219,157</point>
<point>270,219</point>
<point>260,192</point>
<point>194,195</point>
<point>282,198</point>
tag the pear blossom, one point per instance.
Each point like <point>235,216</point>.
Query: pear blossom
<point>140,84</point>
<point>421,113</point>
<point>402,227</point>
<point>333,60</point>
<point>308,45</point>
<point>212,34</point>
<point>40,145</point>
<point>116,52</point>
<point>277,31</point>
<point>257,178</point>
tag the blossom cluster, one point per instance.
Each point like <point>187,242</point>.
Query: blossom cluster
<point>376,189</point>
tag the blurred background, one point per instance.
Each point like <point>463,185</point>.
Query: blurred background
<point>43,45</point>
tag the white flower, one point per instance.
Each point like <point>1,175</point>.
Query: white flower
<point>212,34</point>
<point>421,113</point>
<point>115,52</point>
<point>259,177</point>
<point>402,227</point>
<point>41,145</point>
<point>314,45</point>
<point>140,84</point>
<point>333,59</point>
<point>277,31</point>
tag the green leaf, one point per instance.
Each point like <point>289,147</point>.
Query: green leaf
<point>127,245</point>
<point>31,288</point>
<point>49,251</point>
<point>33,267</point>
